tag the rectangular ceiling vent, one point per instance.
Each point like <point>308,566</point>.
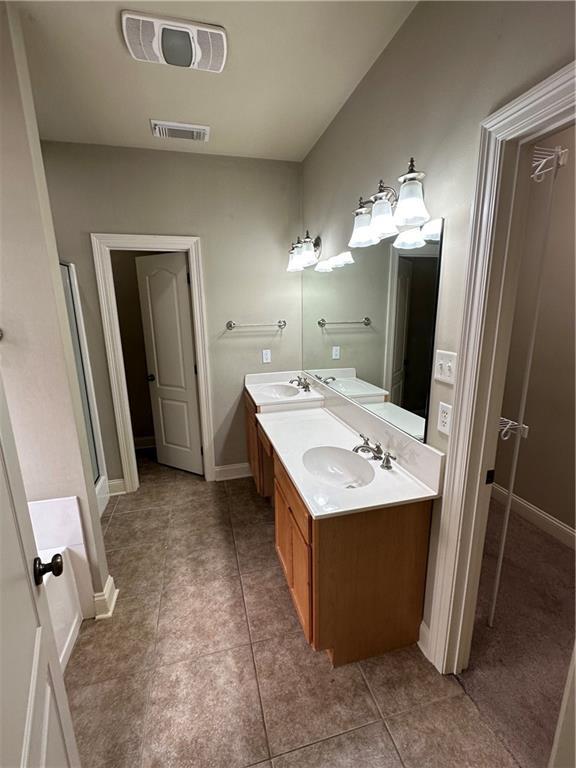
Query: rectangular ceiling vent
<point>164,130</point>
<point>176,42</point>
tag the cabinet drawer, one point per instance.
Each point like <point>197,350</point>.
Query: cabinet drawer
<point>299,511</point>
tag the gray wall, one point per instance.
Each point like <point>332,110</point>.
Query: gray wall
<point>449,66</point>
<point>246,212</point>
<point>133,348</point>
<point>546,463</point>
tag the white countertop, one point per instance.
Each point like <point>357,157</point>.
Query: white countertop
<point>294,432</point>
<point>261,389</point>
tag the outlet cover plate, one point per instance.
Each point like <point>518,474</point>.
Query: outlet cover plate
<point>266,355</point>
<point>445,366</point>
<point>444,418</point>
<point>335,353</point>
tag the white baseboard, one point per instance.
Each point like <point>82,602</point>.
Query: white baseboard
<point>105,602</point>
<point>116,487</point>
<point>559,530</point>
<point>424,640</point>
<point>145,442</point>
<point>102,490</point>
<point>232,472</point>
<point>70,641</point>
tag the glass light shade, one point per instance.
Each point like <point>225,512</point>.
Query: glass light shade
<point>410,210</point>
<point>382,223</point>
<point>307,254</point>
<point>293,265</point>
<point>362,233</point>
<point>432,231</point>
<point>341,259</point>
<point>324,265</point>
<point>411,238</point>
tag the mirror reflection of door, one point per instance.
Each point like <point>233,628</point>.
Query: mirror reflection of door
<point>400,330</point>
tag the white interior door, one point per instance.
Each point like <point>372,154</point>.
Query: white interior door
<point>36,723</point>
<point>403,288</point>
<point>167,321</point>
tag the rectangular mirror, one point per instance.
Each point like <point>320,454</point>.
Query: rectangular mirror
<point>368,330</point>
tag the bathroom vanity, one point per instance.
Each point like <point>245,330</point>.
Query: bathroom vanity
<point>352,537</point>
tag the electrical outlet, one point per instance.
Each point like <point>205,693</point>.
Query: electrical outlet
<point>444,418</point>
<point>266,355</point>
<point>335,353</point>
<point>445,366</point>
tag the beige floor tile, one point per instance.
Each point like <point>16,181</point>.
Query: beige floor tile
<point>121,645</point>
<point>402,680</point>
<point>143,526</point>
<point>247,511</point>
<point>255,547</point>
<point>199,556</point>
<point>269,605</point>
<point>109,721</point>
<point>201,618</point>
<point>366,747</point>
<point>447,734</point>
<point>205,714</point>
<point>304,698</point>
<point>200,514</point>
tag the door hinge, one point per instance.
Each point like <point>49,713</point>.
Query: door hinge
<point>490,476</point>
<point>188,277</point>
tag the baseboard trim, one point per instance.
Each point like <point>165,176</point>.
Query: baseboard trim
<point>559,530</point>
<point>116,487</point>
<point>145,442</point>
<point>105,602</point>
<point>424,640</point>
<point>70,641</point>
<point>232,472</point>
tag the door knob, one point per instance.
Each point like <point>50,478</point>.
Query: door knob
<point>55,566</point>
<point>150,377</point>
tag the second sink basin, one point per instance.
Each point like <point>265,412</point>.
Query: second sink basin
<point>279,391</point>
<point>338,467</point>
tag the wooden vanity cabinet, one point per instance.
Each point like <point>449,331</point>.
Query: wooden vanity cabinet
<point>259,451</point>
<point>357,580</point>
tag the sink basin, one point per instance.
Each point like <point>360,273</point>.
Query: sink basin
<point>338,467</point>
<point>279,391</point>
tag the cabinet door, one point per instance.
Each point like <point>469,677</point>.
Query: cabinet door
<point>252,444</point>
<point>283,533</point>
<point>301,578</point>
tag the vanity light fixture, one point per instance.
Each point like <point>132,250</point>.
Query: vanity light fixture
<point>410,210</point>
<point>409,239</point>
<point>362,235</point>
<point>324,265</point>
<point>304,253</point>
<point>341,260</point>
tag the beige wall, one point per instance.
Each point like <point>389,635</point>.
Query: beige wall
<point>133,349</point>
<point>246,212</point>
<point>449,66</point>
<point>546,464</point>
<point>38,367</point>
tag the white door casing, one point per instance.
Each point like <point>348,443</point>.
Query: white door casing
<point>36,723</point>
<point>170,356</point>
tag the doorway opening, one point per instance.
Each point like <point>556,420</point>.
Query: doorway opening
<point>152,302</point>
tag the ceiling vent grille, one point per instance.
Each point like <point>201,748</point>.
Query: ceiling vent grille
<point>164,130</point>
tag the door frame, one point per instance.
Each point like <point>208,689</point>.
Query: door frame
<point>547,107</point>
<point>101,485</point>
<point>102,245</point>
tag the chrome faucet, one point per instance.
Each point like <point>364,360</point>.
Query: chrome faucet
<point>375,451</point>
<point>328,379</point>
<point>302,382</point>
<point>387,461</point>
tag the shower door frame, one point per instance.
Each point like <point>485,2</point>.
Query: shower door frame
<point>484,346</point>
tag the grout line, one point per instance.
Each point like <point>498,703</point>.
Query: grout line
<point>380,713</point>
<point>327,738</point>
<point>228,500</point>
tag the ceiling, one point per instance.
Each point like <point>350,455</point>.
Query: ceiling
<point>291,66</point>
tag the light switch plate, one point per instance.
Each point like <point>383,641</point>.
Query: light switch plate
<point>335,353</point>
<point>444,418</point>
<point>266,355</point>
<point>445,366</point>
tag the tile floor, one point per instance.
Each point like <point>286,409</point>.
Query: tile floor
<point>203,664</point>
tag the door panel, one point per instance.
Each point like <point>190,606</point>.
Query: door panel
<point>36,723</point>
<point>283,532</point>
<point>301,577</point>
<point>169,341</point>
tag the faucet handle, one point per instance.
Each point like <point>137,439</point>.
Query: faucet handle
<point>365,439</point>
<point>378,448</point>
